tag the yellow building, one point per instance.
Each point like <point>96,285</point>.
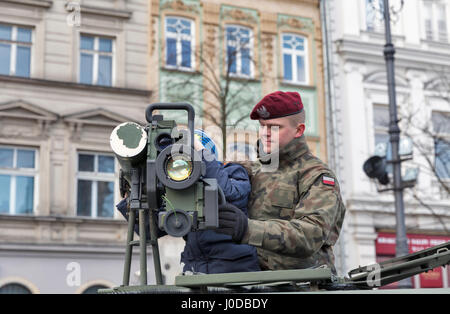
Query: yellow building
<point>224,56</point>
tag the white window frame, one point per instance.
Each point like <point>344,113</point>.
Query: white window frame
<point>14,43</point>
<point>435,32</point>
<point>95,177</point>
<point>96,54</point>
<point>446,136</point>
<point>178,38</point>
<point>382,130</point>
<point>378,20</point>
<point>236,45</point>
<point>15,172</point>
<point>295,53</point>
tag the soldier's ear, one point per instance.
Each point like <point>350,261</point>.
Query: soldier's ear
<point>300,130</point>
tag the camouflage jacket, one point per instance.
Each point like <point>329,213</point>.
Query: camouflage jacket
<point>295,213</point>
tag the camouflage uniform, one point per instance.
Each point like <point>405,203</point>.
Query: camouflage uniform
<point>295,218</point>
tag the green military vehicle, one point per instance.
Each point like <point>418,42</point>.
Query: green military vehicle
<point>162,175</point>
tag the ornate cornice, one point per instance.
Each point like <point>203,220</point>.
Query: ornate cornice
<point>211,13</point>
<point>121,14</point>
<point>154,9</point>
<point>268,23</point>
<point>35,3</point>
<point>239,15</point>
<point>86,9</point>
<point>296,23</point>
<point>74,86</point>
<point>178,5</point>
<point>267,43</point>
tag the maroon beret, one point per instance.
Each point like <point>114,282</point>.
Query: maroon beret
<point>277,105</point>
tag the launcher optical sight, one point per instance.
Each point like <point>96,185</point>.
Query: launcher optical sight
<point>165,173</point>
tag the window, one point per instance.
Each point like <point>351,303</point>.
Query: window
<point>381,125</point>
<point>94,289</point>
<point>435,21</point>
<point>239,51</point>
<point>15,50</point>
<point>14,288</point>
<point>179,43</point>
<point>295,59</point>
<point>374,16</point>
<point>95,185</point>
<point>96,60</point>
<point>241,152</point>
<point>17,180</point>
<point>441,126</point>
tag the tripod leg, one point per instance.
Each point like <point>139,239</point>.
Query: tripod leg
<point>129,248</point>
<point>143,246</point>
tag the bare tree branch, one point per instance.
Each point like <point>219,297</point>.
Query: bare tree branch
<point>439,218</point>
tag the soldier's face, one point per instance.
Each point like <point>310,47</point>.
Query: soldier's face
<point>277,133</point>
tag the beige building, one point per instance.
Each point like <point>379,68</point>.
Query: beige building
<point>69,72</point>
<point>273,45</point>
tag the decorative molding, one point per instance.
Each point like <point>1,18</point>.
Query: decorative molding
<point>211,13</point>
<point>440,83</point>
<point>114,13</point>
<point>95,117</point>
<point>380,77</point>
<point>268,47</point>
<point>353,66</point>
<point>372,52</point>
<point>98,117</point>
<point>83,87</point>
<point>318,34</point>
<point>25,110</point>
<point>296,23</point>
<point>153,35</point>
<point>269,23</point>
<point>45,4</point>
<point>178,5</point>
<point>210,43</point>
<point>19,109</point>
<point>239,15</point>
<point>154,10</point>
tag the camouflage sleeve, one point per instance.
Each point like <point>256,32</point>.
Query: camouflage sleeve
<point>303,235</point>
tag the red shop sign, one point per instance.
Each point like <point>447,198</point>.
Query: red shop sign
<point>385,246</point>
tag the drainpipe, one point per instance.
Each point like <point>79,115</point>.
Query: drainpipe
<point>330,114</point>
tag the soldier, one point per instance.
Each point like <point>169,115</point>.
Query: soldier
<point>295,213</point>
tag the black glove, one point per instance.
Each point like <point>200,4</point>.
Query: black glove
<point>232,221</point>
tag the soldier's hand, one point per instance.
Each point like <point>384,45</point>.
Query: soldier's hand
<point>232,221</point>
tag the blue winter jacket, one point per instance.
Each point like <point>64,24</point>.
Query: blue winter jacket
<point>211,252</point>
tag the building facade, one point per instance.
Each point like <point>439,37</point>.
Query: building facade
<point>359,119</point>
<point>70,71</point>
<point>224,56</point>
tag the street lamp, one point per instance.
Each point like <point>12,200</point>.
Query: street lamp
<point>394,134</point>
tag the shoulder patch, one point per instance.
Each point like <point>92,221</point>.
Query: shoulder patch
<point>328,180</point>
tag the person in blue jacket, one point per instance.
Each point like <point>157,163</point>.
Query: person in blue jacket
<point>208,251</point>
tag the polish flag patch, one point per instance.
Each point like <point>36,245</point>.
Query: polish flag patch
<point>328,180</point>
